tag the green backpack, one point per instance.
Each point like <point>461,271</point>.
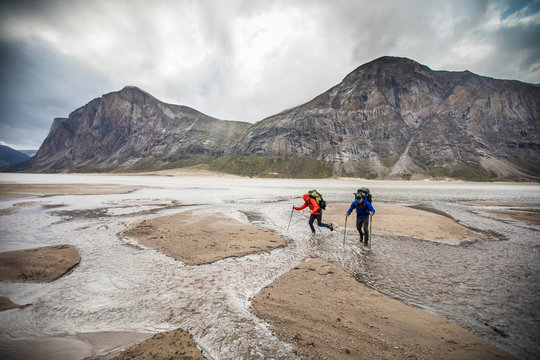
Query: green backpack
<point>318,197</point>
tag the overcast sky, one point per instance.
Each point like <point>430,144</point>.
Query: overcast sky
<point>238,59</point>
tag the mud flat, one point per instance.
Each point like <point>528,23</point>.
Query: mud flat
<point>327,314</point>
<point>528,213</point>
<point>9,191</point>
<point>198,237</point>
<point>174,344</point>
<point>38,265</point>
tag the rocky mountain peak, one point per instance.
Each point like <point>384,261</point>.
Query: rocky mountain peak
<point>130,129</point>
<point>395,116</point>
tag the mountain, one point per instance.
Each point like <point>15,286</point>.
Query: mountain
<point>131,130</point>
<point>29,153</point>
<point>392,117</point>
<point>9,156</point>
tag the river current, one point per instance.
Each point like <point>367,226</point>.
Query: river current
<point>489,288</point>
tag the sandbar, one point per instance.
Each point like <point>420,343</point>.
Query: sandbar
<point>326,314</point>
<point>402,220</point>
<point>198,237</point>
<point>38,265</point>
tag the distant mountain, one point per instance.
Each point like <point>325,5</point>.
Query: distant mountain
<point>394,116</point>
<point>28,152</point>
<point>9,156</point>
<point>391,117</point>
<point>132,130</point>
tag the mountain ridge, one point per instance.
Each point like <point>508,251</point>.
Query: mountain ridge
<point>391,117</point>
<point>387,103</point>
<point>10,156</point>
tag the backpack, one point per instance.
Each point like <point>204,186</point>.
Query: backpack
<point>318,197</point>
<point>365,193</point>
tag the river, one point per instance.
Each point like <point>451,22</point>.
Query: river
<point>489,288</point>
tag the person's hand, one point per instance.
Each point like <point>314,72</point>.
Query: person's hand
<point>294,207</point>
<point>371,213</point>
<point>347,214</point>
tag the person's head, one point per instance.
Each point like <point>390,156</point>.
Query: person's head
<point>358,198</point>
<point>305,197</point>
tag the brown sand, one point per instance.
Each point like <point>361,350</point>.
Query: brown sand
<point>327,314</point>
<point>175,344</point>
<point>529,213</point>
<point>7,304</point>
<point>197,237</point>
<point>398,219</point>
<point>9,191</point>
<point>38,265</point>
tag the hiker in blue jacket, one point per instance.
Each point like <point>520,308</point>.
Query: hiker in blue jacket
<point>363,210</point>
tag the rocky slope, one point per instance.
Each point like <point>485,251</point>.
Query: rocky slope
<point>395,116</point>
<point>390,117</point>
<point>131,130</point>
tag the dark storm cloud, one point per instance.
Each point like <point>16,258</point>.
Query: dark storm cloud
<point>519,47</point>
<point>238,59</point>
<point>38,85</point>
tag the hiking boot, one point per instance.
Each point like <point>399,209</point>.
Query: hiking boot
<point>331,227</point>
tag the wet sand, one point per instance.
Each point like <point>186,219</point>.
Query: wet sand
<point>316,306</point>
<point>101,345</point>
<point>403,220</point>
<point>174,344</point>
<point>39,265</point>
<point>198,237</point>
<point>327,314</point>
<point>524,212</point>
<point>10,191</point>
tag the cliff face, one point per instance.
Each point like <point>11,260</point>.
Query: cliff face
<point>390,117</point>
<point>130,128</point>
<point>395,116</point>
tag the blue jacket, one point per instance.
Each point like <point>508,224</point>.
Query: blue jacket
<point>362,209</point>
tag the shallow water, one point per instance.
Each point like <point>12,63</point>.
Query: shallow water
<point>489,288</point>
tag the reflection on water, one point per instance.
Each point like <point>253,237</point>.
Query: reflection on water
<point>489,288</point>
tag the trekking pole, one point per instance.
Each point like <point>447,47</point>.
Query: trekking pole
<point>370,226</point>
<point>292,211</point>
<point>345,233</point>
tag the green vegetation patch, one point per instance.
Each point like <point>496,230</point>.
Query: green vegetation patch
<point>362,169</point>
<point>390,160</point>
<point>470,172</point>
<point>260,166</point>
<point>530,167</point>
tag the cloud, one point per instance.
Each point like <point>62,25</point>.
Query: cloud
<point>38,85</point>
<point>238,59</point>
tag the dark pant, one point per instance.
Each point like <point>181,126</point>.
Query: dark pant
<point>362,226</point>
<point>319,222</point>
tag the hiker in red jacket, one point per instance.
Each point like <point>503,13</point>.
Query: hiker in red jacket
<point>316,212</point>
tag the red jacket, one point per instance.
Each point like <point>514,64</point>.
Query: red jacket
<point>312,203</point>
